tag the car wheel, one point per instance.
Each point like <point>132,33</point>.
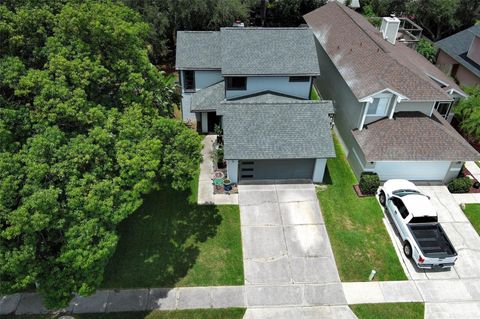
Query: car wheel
<point>407,249</point>
<point>382,198</point>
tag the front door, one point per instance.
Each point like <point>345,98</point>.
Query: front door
<point>213,119</point>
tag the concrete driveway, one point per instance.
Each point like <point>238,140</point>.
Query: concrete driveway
<point>453,293</point>
<point>461,233</point>
<point>288,259</point>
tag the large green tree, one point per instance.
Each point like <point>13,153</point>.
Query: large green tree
<point>85,131</point>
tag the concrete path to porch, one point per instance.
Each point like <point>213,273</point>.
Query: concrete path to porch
<point>205,188</point>
<point>288,260</point>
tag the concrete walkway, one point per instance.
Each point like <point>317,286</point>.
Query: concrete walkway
<point>205,188</point>
<point>288,260</point>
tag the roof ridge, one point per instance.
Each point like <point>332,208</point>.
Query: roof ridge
<point>265,28</point>
<point>344,10</point>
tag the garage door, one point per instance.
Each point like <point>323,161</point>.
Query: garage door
<point>276,169</point>
<point>420,171</point>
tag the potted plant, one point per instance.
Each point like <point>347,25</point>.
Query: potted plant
<point>227,185</point>
<point>217,157</point>
<point>219,132</point>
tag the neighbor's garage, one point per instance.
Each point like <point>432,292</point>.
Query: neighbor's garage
<point>276,169</point>
<point>413,170</point>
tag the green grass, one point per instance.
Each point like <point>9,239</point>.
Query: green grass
<point>231,313</point>
<point>478,163</point>
<point>359,239</point>
<point>410,310</point>
<point>473,213</point>
<point>314,94</point>
<point>171,241</point>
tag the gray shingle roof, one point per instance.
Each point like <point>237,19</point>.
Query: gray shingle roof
<point>457,46</point>
<point>249,51</point>
<point>298,129</point>
<point>368,63</point>
<point>413,136</point>
<point>198,50</point>
<point>268,51</point>
<point>208,99</point>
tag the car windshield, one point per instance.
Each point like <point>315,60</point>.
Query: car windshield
<point>424,219</point>
<point>405,192</point>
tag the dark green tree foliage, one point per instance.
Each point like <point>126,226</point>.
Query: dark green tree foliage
<point>468,112</point>
<point>427,49</point>
<point>84,133</point>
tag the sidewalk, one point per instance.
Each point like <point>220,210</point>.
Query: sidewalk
<point>132,300</point>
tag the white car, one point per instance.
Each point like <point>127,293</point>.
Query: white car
<point>424,239</point>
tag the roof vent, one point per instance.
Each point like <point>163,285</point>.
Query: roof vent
<point>389,28</point>
<point>238,24</point>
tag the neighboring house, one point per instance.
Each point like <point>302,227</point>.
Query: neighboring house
<point>459,56</point>
<point>390,102</point>
<point>256,84</point>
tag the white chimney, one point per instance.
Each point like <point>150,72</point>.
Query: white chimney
<point>389,28</point>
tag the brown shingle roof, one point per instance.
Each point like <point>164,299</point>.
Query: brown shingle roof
<point>368,63</point>
<point>413,136</point>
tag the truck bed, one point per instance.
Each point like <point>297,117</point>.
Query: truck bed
<point>432,240</point>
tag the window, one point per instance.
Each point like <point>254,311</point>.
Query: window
<point>378,107</point>
<point>237,83</point>
<point>189,80</point>
<point>443,108</point>
<point>424,219</point>
<point>400,206</point>
<point>299,79</point>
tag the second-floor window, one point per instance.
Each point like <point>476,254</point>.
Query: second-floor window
<point>189,80</point>
<point>299,79</point>
<point>443,108</point>
<point>378,107</point>
<point>236,83</point>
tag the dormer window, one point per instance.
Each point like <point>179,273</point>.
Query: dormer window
<point>443,108</point>
<point>189,80</point>
<point>237,83</point>
<point>379,106</point>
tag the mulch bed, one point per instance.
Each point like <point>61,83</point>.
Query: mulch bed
<point>359,191</point>
<point>466,172</point>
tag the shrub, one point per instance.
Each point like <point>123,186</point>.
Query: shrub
<point>460,185</point>
<point>369,183</point>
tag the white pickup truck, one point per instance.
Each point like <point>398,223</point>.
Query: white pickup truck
<point>424,239</point>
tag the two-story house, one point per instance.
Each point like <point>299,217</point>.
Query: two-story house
<point>391,104</point>
<point>256,84</point>
<point>459,56</point>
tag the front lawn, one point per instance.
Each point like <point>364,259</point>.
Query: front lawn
<point>231,313</point>
<point>478,163</point>
<point>355,226</point>
<point>472,211</point>
<point>409,310</point>
<point>171,241</point>
<point>314,94</point>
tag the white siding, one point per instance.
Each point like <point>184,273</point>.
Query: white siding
<point>406,106</point>
<point>278,84</point>
<point>413,170</point>
<point>232,170</point>
<point>319,170</point>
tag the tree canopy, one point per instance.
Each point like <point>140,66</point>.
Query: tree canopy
<point>85,131</point>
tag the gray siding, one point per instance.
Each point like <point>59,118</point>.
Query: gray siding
<point>332,86</point>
